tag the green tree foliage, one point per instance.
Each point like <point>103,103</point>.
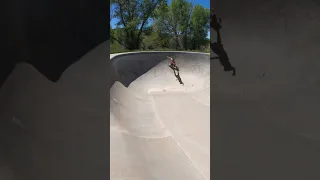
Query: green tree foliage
<point>199,26</point>
<point>134,16</point>
<point>155,24</point>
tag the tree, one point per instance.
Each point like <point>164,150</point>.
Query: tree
<point>153,24</point>
<point>134,16</point>
<point>199,26</point>
<point>181,11</point>
<point>174,20</point>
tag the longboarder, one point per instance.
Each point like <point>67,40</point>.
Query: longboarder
<point>175,69</point>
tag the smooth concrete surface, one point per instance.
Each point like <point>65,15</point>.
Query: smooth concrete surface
<point>160,129</point>
<point>266,120</point>
<point>57,131</point>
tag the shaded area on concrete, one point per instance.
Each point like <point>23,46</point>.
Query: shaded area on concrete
<point>265,121</point>
<point>160,129</point>
<point>51,35</point>
<point>58,140</point>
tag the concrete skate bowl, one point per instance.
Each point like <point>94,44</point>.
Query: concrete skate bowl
<point>160,129</point>
<point>266,119</point>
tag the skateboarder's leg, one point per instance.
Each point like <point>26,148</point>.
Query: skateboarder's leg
<point>176,74</point>
<point>172,66</point>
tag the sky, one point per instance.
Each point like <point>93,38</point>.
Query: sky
<point>204,3</point>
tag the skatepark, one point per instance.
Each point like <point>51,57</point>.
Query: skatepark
<point>264,121</point>
<point>159,128</point>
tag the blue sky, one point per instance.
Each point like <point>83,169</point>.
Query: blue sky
<point>204,3</point>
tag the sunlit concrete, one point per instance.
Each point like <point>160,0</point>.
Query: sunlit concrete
<point>159,128</point>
